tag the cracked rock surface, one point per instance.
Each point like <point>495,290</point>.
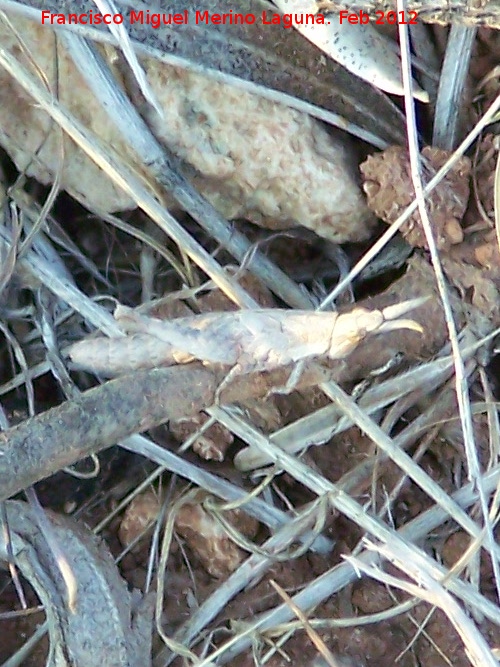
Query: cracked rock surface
<point>250,157</point>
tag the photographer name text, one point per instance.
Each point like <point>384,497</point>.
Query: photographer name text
<point>157,20</point>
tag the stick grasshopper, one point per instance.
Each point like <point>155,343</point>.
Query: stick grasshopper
<point>247,340</point>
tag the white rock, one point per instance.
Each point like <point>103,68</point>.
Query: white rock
<point>249,156</point>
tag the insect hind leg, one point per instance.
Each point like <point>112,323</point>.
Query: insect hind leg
<point>240,369</point>
<point>291,383</point>
<point>233,373</point>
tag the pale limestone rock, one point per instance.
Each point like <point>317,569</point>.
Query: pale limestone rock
<point>249,156</point>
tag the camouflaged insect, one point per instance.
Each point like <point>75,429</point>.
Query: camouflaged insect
<point>247,340</point>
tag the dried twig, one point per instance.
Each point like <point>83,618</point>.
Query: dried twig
<point>100,417</point>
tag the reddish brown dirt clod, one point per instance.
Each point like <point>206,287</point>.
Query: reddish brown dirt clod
<point>209,541</point>
<point>139,515</point>
<point>389,188</point>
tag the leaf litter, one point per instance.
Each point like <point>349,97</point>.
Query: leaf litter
<point>367,459</point>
